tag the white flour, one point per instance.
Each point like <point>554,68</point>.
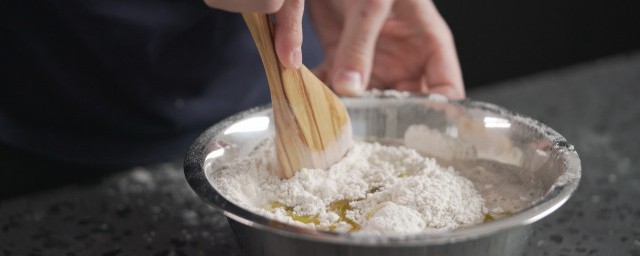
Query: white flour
<point>374,189</point>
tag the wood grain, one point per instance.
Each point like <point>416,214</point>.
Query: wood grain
<point>313,129</point>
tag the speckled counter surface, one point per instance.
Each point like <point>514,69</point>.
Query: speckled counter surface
<point>596,107</point>
<point>152,211</point>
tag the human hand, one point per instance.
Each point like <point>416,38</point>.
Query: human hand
<point>288,24</point>
<point>404,45</point>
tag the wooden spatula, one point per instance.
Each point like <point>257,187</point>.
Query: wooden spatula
<point>313,129</point>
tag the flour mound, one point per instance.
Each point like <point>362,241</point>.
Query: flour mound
<point>375,189</point>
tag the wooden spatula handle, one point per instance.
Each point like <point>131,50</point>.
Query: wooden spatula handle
<point>262,32</point>
<point>313,129</point>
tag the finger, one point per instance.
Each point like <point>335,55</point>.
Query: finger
<point>354,55</point>
<point>412,86</point>
<point>288,33</point>
<point>262,6</point>
<point>451,92</point>
<point>442,74</point>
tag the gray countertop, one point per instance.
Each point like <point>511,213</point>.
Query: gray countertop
<point>152,210</point>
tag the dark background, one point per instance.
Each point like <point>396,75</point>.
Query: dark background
<point>503,39</point>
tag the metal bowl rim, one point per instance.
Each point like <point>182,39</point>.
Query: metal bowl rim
<point>196,177</point>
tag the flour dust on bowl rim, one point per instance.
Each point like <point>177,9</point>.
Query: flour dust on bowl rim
<point>513,160</point>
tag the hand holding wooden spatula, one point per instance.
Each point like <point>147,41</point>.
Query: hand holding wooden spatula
<point>313,129</point>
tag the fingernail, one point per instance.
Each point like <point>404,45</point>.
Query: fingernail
<point>349,81</point>
<point>296,58</point>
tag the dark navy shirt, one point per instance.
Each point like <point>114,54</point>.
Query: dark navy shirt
<point>121,82</point>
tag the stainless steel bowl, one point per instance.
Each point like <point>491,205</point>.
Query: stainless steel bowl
<point>527,161</point>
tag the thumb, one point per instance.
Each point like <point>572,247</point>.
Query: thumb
<point>354,56</point>
<point>288,35</point>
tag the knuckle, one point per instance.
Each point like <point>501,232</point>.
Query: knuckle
<point>289,25</point>
<point>355,56</point>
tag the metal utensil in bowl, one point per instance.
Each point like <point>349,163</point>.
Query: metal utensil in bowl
<point>541,167</point>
